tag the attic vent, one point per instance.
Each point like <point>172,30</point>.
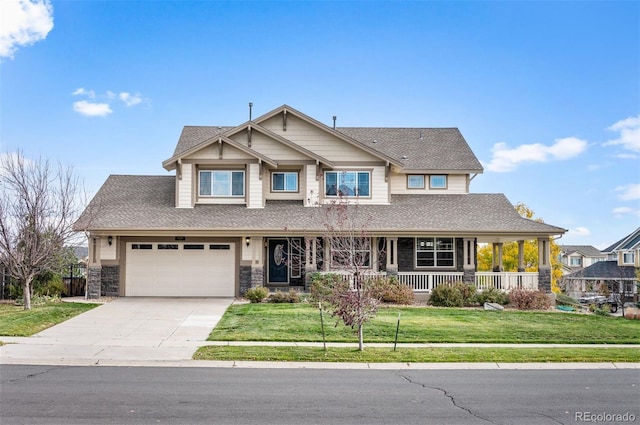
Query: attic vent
<point>404,156</point>
<point>421,137</point>
<point>375,141</point>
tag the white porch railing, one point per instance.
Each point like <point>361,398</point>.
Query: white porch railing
<point>505,281</point>
<point>426,281</point>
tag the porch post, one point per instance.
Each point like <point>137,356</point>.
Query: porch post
<point>392,256</point>
<point>497,257</point>
<point>469,260</point>
<point>544,264</point>
<point>309,261</point>
<point>521,256</point>
<point>94,272</point>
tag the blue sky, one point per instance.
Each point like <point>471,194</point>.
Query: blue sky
<point>547,94</point>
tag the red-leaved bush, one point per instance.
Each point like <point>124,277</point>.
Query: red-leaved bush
<point>524,299</point>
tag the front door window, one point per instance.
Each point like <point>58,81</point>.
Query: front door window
<point>278,260</point>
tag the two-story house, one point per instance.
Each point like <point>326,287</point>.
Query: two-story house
<point>576,257</point>
<point>617,272</point>
<point>241,208</point>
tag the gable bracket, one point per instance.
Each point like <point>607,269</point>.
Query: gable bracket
<point>179,169</point>
<point>249,135</point>
<point>260,168</point>
<point>318,171</point>
<point>220,148</point>
<point>284,120</point>
<point>387,171</point>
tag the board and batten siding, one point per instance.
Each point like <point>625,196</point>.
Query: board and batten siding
<point>317,140</point>
<point>456,183</point>
<point>184,198</point>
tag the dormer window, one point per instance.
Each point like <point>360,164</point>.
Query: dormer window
<point>225,183</point>
<point>628,258</point>
<point>347,183</point>
<point>286,181</point>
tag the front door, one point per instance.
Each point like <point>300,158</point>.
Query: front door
<point>278,261</point>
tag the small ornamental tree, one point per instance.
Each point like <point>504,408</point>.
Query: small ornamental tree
<point>38,205</point>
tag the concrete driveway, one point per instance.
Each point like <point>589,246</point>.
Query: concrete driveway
<point>133,330</point>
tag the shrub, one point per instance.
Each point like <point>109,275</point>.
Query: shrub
<point>390,290</point>
<point>524,299</point>
<point>322,285</point>
<point>53,286</point>
<point>467,291</point>
<point>256,294</point>
<point>632,314</point>
<point>563,299</point>
<point>446,295</point>
<point>281,297</point>
<point>492,295</point>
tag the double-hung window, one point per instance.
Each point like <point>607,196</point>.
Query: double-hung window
<point>221,183</point>
<point>435,252</point>
<point>350,252</point>
<point>575,262</point>
<point>628,258</point>
<point>347,183</point>
<point>284,181</point>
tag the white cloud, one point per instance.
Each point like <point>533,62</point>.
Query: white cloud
<point>580,231</point>
<point>84,92</point>
<point>99,109</point>
<point>130,99</point>
<point>629,137</point>
<point>22,23</point>
<point>507,159</point>
<point>92,109</point>
<point>628,192</point>
<point>621,212</point>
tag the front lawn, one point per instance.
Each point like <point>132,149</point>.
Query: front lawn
<point>301,322</point>
<point>16,321</point>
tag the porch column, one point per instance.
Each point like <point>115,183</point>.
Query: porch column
<point>544,264</point>
<point>94,272</point>
<point>309,260</point>
<point>469,260</point>
<point>521,256</point>
<point>497,257</point>
<point>392,256</point>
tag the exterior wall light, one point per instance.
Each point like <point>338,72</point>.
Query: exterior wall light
<point>247,240</point>
<point>110,240</point>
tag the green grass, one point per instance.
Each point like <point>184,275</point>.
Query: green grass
<point>16,321</point>
<point>301,322</point>
<point>418,355</point>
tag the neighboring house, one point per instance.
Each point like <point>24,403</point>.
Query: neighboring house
<point>577,257</point>
<point>618,272</point>
<point>242,209</point>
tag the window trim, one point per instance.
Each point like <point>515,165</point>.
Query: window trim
<point>435,252</point>
<point>632,256</point>
<point>342,172</point>
<point>335,265</point>
<point>230,171</point>
<point>296,173</point>
<point>422,186</point>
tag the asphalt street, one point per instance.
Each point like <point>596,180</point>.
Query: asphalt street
<point>149,395</point>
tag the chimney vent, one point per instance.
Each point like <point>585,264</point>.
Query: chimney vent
<point>250,107</point>
<point>334,122</point>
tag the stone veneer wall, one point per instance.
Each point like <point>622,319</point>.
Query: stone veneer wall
<point>93,282</point>
<point>544,279</point>
<point>245,279</point>
<point>110,281</point>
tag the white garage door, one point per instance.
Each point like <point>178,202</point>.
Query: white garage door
<point>180,269</point>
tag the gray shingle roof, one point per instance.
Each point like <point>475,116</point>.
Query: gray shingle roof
<point>628,242</point>
<point>419,148</point>
<point>604,270</point>
<point>193,135</point>
<point>147,203</point>
<point>587,250</point>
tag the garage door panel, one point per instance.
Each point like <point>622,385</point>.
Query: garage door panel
<point>184,269</point>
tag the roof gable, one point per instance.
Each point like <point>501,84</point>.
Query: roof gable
<point>629,242</point>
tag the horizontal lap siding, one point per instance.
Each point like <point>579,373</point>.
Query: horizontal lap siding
<point>185,191</point>
<point>270,148</point>
<point>255,187</point>
<point>317,140</point>
<point>456,183</point>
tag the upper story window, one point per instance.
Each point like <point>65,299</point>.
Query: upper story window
<point>435,252</point>
<point>438,181</point>
<point>575,261</point>
<point>628,258</point>
<point>347,183</point>
<point>221,183</point>
<point>415,181</point>
<point>286,181</point>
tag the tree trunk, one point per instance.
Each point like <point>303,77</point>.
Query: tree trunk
<point>361,338</point>
<point>26,295</point>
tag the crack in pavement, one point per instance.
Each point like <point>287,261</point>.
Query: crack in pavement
<point>33,375</point>
<point>447,395</point>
